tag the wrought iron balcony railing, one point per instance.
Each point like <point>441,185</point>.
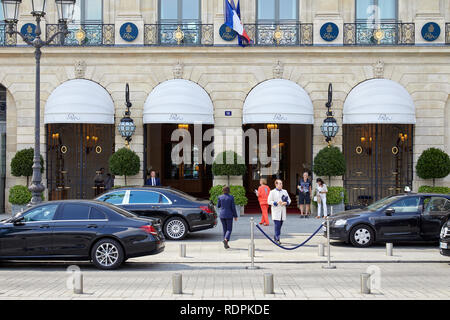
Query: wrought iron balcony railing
<point>447,33</point>
<point>187,34</point>
<point>379,34</point>
<point>84,35</point>
<point>6,39</point>
<point>294,34</point>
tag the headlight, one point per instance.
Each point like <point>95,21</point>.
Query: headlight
<point>444,232</point>
<point>340,222</point>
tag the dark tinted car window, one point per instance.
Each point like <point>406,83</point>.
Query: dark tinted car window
<point>144,197</point>
<point>119,210</point>
<point>42,213</point>
<point>74,212</point>
<point>436,204</point>
<point>113,197</point>
<point>96,214</point>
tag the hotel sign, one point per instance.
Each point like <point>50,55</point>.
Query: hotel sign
<point>329,31</point>
<point>129,31</point>
<point>226,33</point>
<point>28,30</point>
<point>431,31</point>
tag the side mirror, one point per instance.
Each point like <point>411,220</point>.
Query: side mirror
<point>389,212</point>
<point>17,220</point>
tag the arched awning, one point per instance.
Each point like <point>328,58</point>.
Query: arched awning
<point>79,101</point>
<point>178,101</point>
<point>379,101</point>
<point>278,101</point>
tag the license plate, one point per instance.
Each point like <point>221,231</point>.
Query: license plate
<point>444,245</point>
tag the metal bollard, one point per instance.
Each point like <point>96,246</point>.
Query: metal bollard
<point>251,247</point>
<point>389,249</point>
<point>251,250</point>
<point>183,250</point>
<point>365,283</point>
<point>78,283</point>
<point>321,250</point>
<point>329,265</point>
<point>177,283</point>
<point>268,283</point>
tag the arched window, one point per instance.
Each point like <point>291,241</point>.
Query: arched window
<point>277,10</point>
<point>371,11</point>
<point>88,11</point>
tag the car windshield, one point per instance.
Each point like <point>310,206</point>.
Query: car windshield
<point>382,203</point>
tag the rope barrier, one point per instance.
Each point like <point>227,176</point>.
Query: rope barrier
<point>293,248</point>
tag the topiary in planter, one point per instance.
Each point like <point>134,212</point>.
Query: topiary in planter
<point>238,192</point>
<point>428,189</point>
<point>334,196</point>
<point>330,162</point>
<point>22,163</point>
<point>19,195</point>
<point>433,164</point>
<point>124,162</point>
<point>228,163</point>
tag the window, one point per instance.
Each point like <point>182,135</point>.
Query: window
<point>113,197</point>
<point>88,11</point>
<point>1,14</point>
<point>74,211</point>
<point>436,204</point>
<point>371,11</point>
<point>96,214</point>
<point>277,10</point>
<point>144,197</point>
<point>2,103</point>
<point>410,204</point>
<point>176,11</point>
<point>42,213</point>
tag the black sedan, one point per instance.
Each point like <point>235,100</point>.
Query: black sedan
<point>79,230</point>
<point>407,217</point>
<point>445,239</point>
<point>179,212</point>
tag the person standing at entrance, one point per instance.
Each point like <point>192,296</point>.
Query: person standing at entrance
<point>153,180</point>
<point>279,199</point>
<point>322,191</point>
<point>304,195</point>
<point>227,211</point>
<point>263,193</point>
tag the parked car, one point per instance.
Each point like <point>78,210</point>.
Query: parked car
<point>79,230</point>
<point>445,239</point>
<point>179,212</point>
<point>406,217</point>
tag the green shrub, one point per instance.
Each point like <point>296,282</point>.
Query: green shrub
<point>334,196</point>
<point>238,192</point>
<point>330,162</point>
<point>22,163</point>
<point>124,162</point>
<point>433,164</point>
<point>19,195</point>
<point>222,167</point>
<point>428,189</point>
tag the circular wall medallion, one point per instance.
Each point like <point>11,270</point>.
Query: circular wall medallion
<point>226,33</point>
<point>63,149</point>
<point>329,31</point>
<point>359,150</point>
<point>431,31</point>
<point>98,149</point>
<point>28,30</point>
<point>394,150</point>
<point>129,31</point>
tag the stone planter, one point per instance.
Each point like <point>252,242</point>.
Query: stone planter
<point>16,208</point>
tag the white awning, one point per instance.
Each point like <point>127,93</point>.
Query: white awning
<point>278,101</point>
<point>379,101</point>
<point>79,101</point>
<point>178,101</point>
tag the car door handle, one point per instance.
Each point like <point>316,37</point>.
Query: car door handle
<point>156,207</point>
<point>92,226</point>
<point>44,226</point>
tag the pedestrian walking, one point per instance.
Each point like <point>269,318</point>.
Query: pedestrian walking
<point>321,194</point>
<point>304,195</point>
<point>227,211</point>
<point>278,200</point>
<point>263,193</point>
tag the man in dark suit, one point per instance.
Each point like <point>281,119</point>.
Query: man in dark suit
<point>153,180</point>
<point>227,211</point>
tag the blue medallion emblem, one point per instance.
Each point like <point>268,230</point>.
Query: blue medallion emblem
<point>431,31</point>
<point>226,33</point>
<point>129,31</point>
<point>28,30</point>
<point>329,31</point>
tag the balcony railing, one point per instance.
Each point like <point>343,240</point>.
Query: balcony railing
<point>447,33</point>
<point>295,34</point>
<point>188,34</point>
<point>379,34</point>
<point>83,35</point>
<point>6,39</point>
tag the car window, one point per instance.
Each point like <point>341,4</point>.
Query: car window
<point>164,199</point>
<point>74,211</point>
<point>42,213</point>
<point>436,204</point>
<point>113,197</point>
<point>410,204</point>
<point>381,203</point>
<point>96,214</point>
<point>144,197</point>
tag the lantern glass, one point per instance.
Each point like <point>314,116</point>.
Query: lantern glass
<point>329,128</point>
<point>126,127</point>
<point>65,9</point>
<point>38,7</point>
<point>11,10</point>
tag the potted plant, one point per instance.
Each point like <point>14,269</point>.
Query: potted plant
<point>337,198</point>
<point>228,163</point>
<point>22,164</point>
<point>238,192</point>
<point>19,197</point>
<point>434,164</point>
<point>429,189</point>
<point>124,162</point>
<point>329,162</point>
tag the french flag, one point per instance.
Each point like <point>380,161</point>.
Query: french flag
<point>233,21</point>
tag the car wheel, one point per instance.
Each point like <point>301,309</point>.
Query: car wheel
<point>107,254</point>
<point>175,228</point>
<point>362,236</point>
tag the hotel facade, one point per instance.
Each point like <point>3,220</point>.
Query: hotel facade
<point>388,62</point>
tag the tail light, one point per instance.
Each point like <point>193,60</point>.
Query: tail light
<point>206,209</point>
<point>149,229</point>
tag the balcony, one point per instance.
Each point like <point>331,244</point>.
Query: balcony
<point>83,35</point>
<point>188,34</point>
<point>447,33</point>
<point>295,34</point>
<point>379,34</point>
<point>5,39</point>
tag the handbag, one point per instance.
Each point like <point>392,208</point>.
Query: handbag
<point>319,199</point>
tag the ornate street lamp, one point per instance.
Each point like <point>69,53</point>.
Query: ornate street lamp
<point>11,12</point>
<point>329,127</point>
<point>126,126</point>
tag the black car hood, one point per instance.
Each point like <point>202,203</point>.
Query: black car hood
<point>351,214</point>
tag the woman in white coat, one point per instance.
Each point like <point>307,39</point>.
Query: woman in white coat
<point>322,191</point>
<point>279,199</point>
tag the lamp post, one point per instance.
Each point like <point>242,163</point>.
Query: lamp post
<point>329,127</point>
<point>126,126</point>
<point>11,14</point>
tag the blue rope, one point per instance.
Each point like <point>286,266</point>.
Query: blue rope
<point>293,248</point>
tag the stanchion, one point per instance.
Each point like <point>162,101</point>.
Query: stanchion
<point>268,283</point>
<point>177,283</point>
<point>78,283</point>
<point>365,284</point>
<point>321,250</point>
<point>389,249</point>
<point>252,245</point>
<point>183,250</point>
<point>329,265</point>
